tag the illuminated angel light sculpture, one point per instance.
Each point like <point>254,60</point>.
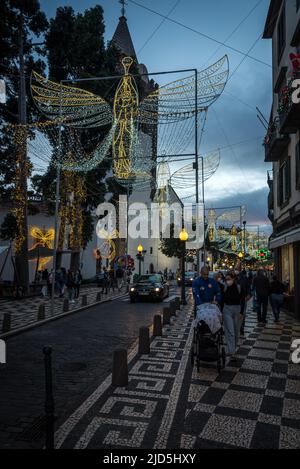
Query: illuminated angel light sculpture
<point>167,105</point>
<point>184,178</point>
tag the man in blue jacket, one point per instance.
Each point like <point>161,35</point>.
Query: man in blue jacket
<point>205,289</point>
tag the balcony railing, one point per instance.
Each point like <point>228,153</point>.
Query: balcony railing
<point>275,143</point>
<point>289,112</point>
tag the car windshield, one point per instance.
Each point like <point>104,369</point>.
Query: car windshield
<point>189,274</point>
<point>150,278</point>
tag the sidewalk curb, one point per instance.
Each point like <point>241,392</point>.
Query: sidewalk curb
<point>72,419</point>
<point>54,318</point>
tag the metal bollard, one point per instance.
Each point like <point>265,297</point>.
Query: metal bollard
<point>144,341</point>
<point>166,316</point>
<point>84,301</point>
<point>41,313</point>
<point>157,326</point>
<point>98,297</point>
<point>177,302</point>
<point>172,308</point>
<point>6,324</point>
<point>120,368</point>
<point>65,305</point>
<point>49,401</point>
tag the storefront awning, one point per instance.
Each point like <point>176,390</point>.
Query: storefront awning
<point>288,238</point>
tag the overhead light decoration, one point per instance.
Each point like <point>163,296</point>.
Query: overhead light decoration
<point>169,104</point>
<point>107,246</point>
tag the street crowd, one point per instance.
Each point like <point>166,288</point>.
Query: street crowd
<point>66,281</point>
<point>231,293</point>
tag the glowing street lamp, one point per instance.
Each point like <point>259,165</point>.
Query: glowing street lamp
<point>139,256</point>
<point>183,236</point>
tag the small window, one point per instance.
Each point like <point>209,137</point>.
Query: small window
<point>284,183</point>
<point>151,250</point>
<point>281,33</point>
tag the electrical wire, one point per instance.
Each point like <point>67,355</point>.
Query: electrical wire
<point>159,26</point>
<point>199,33</point>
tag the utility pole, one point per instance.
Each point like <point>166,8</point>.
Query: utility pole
<point>22,169</point>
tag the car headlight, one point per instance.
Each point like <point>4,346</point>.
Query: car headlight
<point>179,279</point>
<point>132,289</point>
<point>157,289</point>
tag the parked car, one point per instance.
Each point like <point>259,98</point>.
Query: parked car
<point>152,286</point>
<point>189,278</point>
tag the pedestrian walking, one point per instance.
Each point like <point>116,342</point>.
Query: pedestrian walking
<point>111,279</point>
<point>232,313</point>
<point>105,281</point>
<point>63,281</point>
<point>218,277</point>
<point>205,289</point>
<point>120,277</point>
<point>262,289</point>
<point>276,297</point>
<point>70,286</point>
<point>49,282</point>
<point>128,278</point>
<point>45,276</point>
<point>245,284</point>
<point>77,283</point>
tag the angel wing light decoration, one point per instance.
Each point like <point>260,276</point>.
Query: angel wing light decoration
<point>166,105</point>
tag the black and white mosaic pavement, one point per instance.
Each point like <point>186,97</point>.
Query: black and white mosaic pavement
<point>253,403</point>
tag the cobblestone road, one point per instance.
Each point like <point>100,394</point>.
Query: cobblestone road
<point>83,345</point>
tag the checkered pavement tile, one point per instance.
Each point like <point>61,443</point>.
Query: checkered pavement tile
<point>254,403</point>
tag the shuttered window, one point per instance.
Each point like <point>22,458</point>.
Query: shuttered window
<point>284,183</point>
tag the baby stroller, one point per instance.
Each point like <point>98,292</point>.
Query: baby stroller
<point>207,346</point>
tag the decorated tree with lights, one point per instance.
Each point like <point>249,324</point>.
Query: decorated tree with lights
<point>20,21</point>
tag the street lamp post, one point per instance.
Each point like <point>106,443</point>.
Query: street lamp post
<point>183,236</point>
<point>139,256</point>
<point>244,244</point>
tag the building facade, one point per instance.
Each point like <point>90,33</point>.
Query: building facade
<point>282,146</point>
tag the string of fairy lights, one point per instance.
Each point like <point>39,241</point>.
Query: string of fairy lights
<point>135,132</point>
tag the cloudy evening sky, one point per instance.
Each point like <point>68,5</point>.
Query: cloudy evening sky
<point>242,175</point>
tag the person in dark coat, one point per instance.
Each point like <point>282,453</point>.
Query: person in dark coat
<point>71,286</point>
<point>262,288</point>
<point>105,281</point>
<point>233,297</point>
<point>276,297</point>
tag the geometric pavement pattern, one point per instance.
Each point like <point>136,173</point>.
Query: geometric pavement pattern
<point>253,403</point>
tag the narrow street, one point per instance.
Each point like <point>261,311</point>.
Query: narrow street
<point>83,346</point>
